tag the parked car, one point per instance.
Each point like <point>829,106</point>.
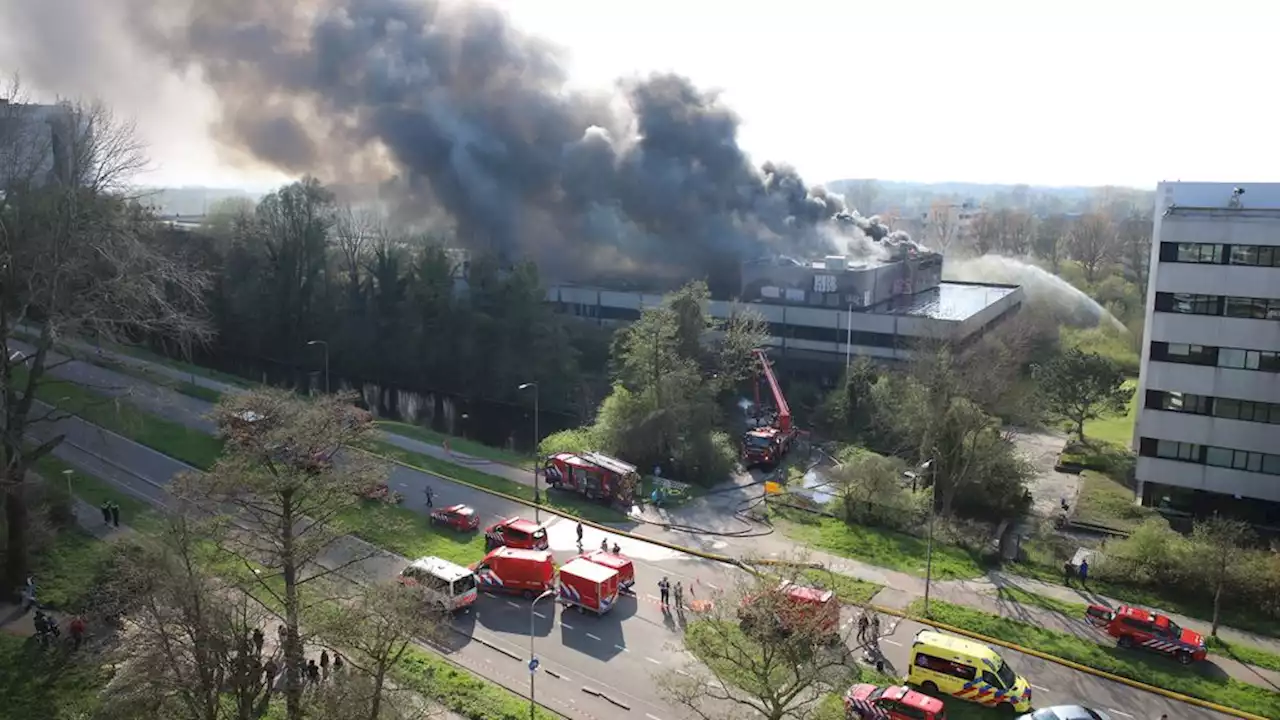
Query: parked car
<point>1134,627</point>
<point>462,518</point>
<point>869,702</point>
<point>1066,712</point>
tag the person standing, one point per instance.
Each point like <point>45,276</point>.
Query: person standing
<point>28,594</point>
<point>1067,572</point>
<point>324,664</point>
<point>106,512</point>
<point>1084,572</point>
<point>115,514</point>
<point>875,628</point>
<point>270,669</point>
<point>337,663</point>
<point>313,671</point>
<point>77,631</point>
<point>579,536</point>
<point>664,591</point>
<point>679,596</point>
<point>258,639</point>
<point>863,623</point>
<point>431,496</point>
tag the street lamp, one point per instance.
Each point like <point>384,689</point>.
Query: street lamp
<point>533,659</point>
<point>326,361</point>
<point>68,472</point>
<point>928,561</point>
<point>537,496</point>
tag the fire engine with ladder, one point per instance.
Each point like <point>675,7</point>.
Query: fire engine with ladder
<point>770,440</point>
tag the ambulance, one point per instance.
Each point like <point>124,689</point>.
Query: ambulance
<point>967,670</point>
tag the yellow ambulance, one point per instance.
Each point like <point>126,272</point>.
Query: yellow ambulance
<point>968,670</point>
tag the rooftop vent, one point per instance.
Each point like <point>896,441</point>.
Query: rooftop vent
<point>835,262</point>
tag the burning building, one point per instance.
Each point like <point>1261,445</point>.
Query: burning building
<point>821,312</point>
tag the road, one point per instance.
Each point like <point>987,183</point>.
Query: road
<point>617,655</point>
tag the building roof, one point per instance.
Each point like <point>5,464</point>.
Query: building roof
<point>587,570</point>
<point>440,568</point>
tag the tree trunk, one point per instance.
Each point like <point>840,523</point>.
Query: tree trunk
<point>15,515</point>
<point>375,703</point>
<point>1080,430</point>
<point>1217,606</point>
<point>293,654</point>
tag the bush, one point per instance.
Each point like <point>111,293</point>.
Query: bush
<point>574,440</point>
<point>1109,342</point>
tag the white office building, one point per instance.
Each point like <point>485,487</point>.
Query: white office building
<point>1208,430</point>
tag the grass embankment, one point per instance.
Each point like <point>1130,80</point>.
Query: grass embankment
<point>1195,681</point>
<point>458,444</point>
<point>564,502</point>
<point>1117,430</point>
<point>875,546</point>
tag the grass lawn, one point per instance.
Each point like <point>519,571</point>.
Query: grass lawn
<point>462,445</point>
<point>882,548</point>
<point>1245,653</point>
<point>409,533</point>
<point>460,691</point>
<point>145,354</point>
<point>1117,429</point>
<point>1133,664</point>
<point>1044,602</point>
<point>848,590</point>
<point>119,416</point>
<point>1106,501</point>
<point>38,683</point>
<point>564,502</point>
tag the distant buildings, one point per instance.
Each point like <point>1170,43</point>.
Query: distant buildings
<point>36,141</point>
<point>1208,429</point>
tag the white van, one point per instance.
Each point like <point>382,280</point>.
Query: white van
<point>450,585</point>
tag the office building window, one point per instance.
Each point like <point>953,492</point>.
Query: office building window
<point>1246,410</point>
<point>1199,253</point>
<point>1255,308</point>
<point>1179,402</point>
<point>1243,460</point>
<point>1249,359</point>
<point>1189,304</point>
<point>1184,353</point>
<point>1256,255</point>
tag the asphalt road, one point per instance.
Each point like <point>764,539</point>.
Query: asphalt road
<point>617,655</point>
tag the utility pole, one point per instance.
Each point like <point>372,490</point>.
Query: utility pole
<point>533,659</point>
<point>537,494</point>
<point>325,345</point>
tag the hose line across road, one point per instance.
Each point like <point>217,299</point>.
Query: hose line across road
<point>593,666</point>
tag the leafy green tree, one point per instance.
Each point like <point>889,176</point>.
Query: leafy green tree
<point>1079,386</point>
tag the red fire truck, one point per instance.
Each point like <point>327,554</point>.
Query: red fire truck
<point>767,443</point>
<point>595,475</point>
<point>1137,628</point>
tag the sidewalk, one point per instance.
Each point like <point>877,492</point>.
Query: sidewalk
<point>722,533</point>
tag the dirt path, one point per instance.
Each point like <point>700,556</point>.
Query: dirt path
<point>1048,486</point>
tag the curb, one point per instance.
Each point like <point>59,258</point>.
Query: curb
<point>1137,685</point>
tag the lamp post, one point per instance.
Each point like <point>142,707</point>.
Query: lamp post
<point>325,345</point>
<point>68,472</point>
<point>537,495</point>
<point>533,659</point>
<point>928,553</point>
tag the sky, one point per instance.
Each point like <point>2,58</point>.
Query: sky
<point>1094,93</point>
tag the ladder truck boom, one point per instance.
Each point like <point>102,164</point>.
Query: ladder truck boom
<point>779,400</point>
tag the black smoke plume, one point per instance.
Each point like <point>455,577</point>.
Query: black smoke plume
<point>472,117</point>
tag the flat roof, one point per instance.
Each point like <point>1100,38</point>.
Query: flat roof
<point>587,570</point>
<point>949,301</point>
<point>440,568</point>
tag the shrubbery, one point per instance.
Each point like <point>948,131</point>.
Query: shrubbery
<point>1158,559</point>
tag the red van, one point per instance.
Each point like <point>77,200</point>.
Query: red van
<point>614,561</point>
<point>588,586</point>
<point>516,571</point>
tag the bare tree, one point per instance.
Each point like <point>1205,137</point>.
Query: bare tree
<point>1135,248</point>
<point>1219,542</point>
<point>77,258</point>
<point>355,230</point>
<point>377,630</point>
<point>285,477</point>
<point>761,653</point>
<point>1050,239</point>
<point>941,225</point>
<point>1091,241</point>
<point>187,652</point>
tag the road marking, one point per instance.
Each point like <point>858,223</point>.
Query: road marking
<point>565,625</point>
<point>891,642</point>
<point>655,662</point>
<point>490,594</point>
<point>652,717</point>
<point>593,637</point>
<point>621,647</point>
<point>713,587</point>
<point>684,673</point>
<point>654,598</point>
<point>1041,689</point>
<point>1118,712</point>
<point>535,612</point>
<point>512,604</point>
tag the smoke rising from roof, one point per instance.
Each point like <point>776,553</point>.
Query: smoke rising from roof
<point>458,111</point>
